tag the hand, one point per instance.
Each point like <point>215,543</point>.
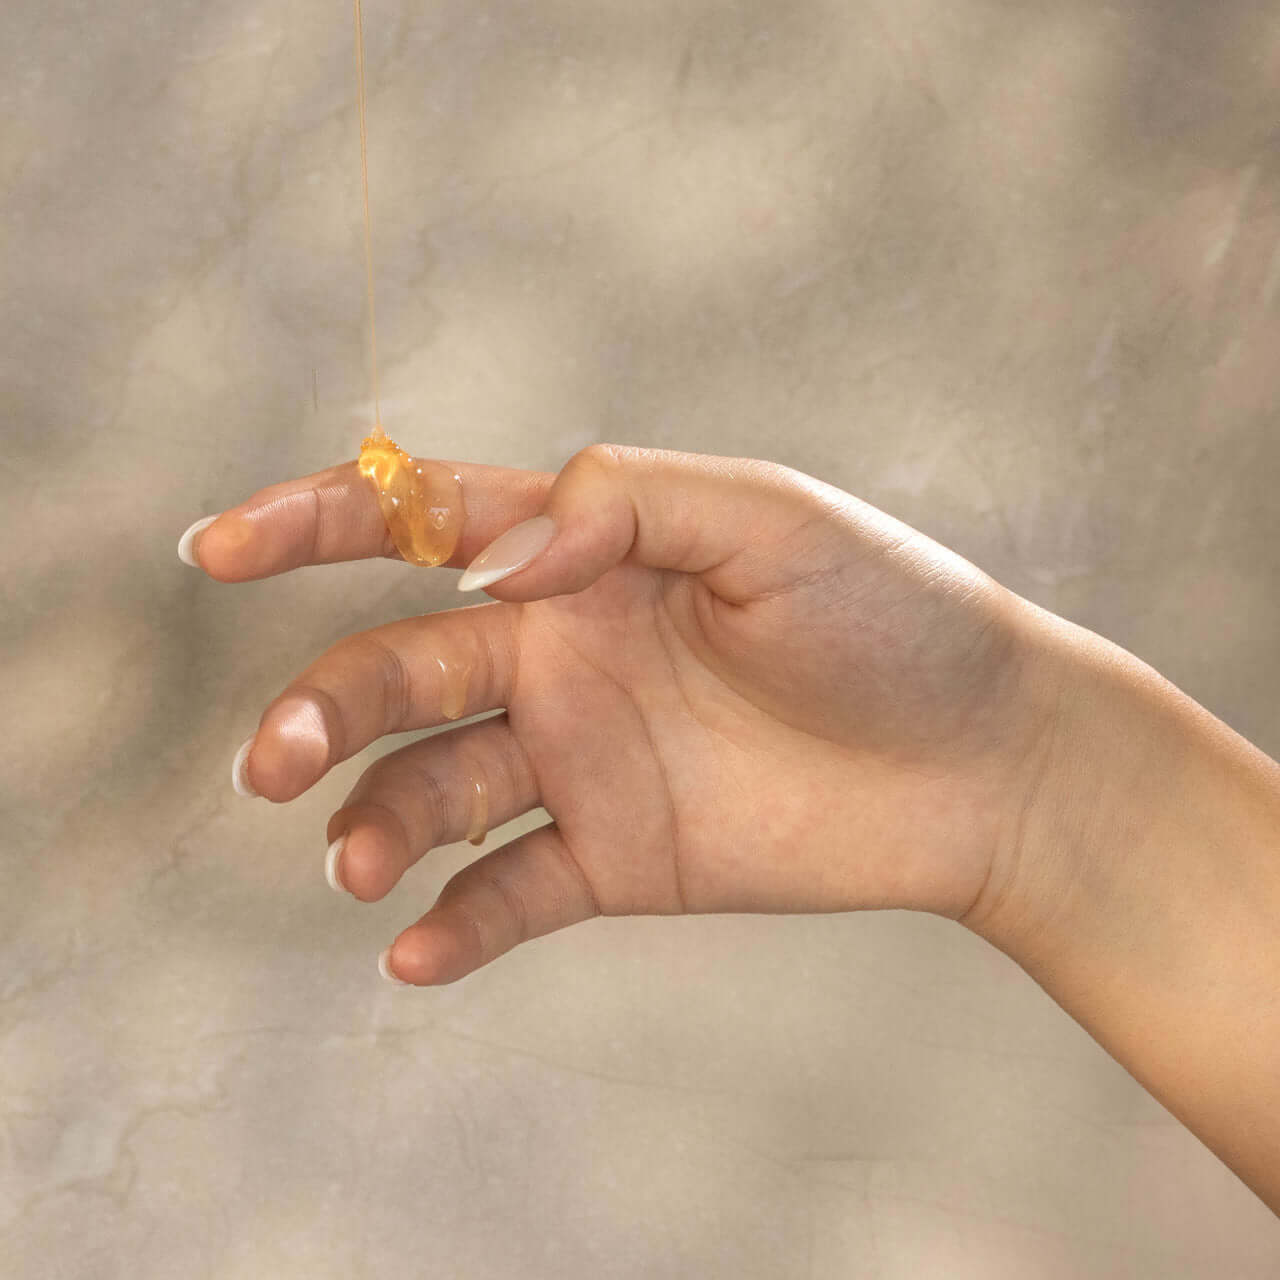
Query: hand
<point>733,688</point>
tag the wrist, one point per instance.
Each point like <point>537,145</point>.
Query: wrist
<point>1125,766</point>
<point>1142,892</point>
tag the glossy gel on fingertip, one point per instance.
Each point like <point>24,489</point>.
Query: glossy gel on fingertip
<point>508,553</point>
<point>240,772</point>
<point>187,543</point>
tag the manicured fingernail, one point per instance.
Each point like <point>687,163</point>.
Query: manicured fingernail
<point>384,968</point>
<point>187,543</point>
<point>506,554</point>
<point>240,771</point>
<point>331,865</point>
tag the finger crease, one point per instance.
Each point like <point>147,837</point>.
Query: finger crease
<point>395,818</point>
<point>574,868</point>
<point>514,902</point>
<point>396,686</point>
<point>437,801</point>
<point>317,509</point>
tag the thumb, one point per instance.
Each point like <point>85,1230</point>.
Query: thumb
<point>737,522</point>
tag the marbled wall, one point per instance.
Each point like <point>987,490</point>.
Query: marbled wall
<point>1009,271</point>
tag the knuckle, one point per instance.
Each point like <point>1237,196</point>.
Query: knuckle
<point>392,677</point>
<point>483,949</point>
<point>461,898</point>
<point>513,904</point>
<point>580,881</point>
<point>767,477</point>
<point>430,798</point>
<point>512,767</point>
<point>436,803</point>
<point>601,458</point>
<point>387,815</point>
<point>506,766</point>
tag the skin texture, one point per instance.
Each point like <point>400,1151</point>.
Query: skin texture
<point>734,688</point>
<point>1146,900</point>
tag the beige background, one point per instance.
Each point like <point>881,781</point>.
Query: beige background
<point>1010,271</point>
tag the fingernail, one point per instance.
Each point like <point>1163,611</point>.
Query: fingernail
<point>240,771</point>
<point>331,865</point>
<point>384,968</point>
<point>187,543</point>
<point>511,551</point>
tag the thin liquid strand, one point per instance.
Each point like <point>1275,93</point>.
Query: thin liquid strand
<point>420,501</point>
<point>368,232</point>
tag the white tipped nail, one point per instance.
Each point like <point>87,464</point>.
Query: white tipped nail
<point>187,543</point>
<point>384,968</point>
<point>240,771</point>
<point>508,553</point>
<point>331,865</point>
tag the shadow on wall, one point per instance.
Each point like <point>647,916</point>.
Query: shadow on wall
<point>882,243</point>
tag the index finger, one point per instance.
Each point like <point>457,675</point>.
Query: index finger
<point>334,515</point>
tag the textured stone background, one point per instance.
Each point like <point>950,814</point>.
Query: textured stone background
<point>1009,271</point>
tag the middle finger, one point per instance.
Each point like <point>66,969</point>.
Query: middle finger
<point>411,674</point>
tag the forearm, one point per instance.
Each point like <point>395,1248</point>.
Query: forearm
<point>1143,893</point>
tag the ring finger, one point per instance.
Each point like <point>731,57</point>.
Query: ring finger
<point>451,786</point>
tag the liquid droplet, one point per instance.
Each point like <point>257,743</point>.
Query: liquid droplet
<point>455,678</point>
<point>421,501</point>
<point>479,827</point>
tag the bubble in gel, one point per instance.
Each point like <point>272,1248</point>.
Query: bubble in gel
<point>421,501</point>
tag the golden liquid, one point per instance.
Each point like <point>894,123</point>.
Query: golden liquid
<point>479,827</point>
<point>368,223</point>
<point>453,692</point>
<point>420,501</point>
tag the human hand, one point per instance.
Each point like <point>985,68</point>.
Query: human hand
<point>733,688</point>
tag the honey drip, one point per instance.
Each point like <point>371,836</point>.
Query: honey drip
<point>420,501</point>
<point>453,693</point>
<point>368,225</point>
<point>479,827</point>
